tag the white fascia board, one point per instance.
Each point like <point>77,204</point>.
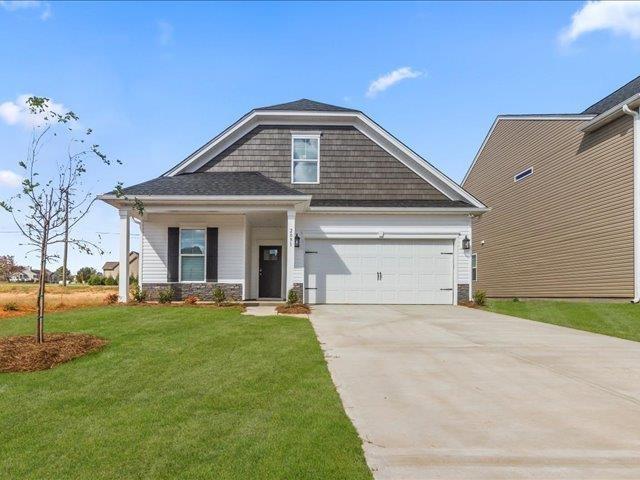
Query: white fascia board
<point>211,200</point>
<point>577,117</point>
<point>611,114</point>
<point>319,235</point>
<point>400,210</point>
<point>359,120</point>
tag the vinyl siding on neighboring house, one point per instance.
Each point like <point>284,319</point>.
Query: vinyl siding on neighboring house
<point>565,231</point>
<point>231,244</point>
<point>352,166</point>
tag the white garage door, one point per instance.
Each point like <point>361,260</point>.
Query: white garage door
<point>379,271</point>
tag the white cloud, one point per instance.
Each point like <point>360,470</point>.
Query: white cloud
<point>165,32</point>
<point>46,12</point>
<point>622,18</point>
<point>16,112</point>
<point>385,81</point>
<point>13,5</point>
<point>10,179</point>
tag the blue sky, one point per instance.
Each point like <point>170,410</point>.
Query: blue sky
<point>157,80</point>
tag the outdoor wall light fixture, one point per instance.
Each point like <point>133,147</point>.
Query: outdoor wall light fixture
<point>296,241</point>
<point>466,243</point>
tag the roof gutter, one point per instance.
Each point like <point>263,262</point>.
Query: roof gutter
<point>636,200</point>
<point>611,114</point>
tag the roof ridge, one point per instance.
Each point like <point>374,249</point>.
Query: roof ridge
<point>306,104</point>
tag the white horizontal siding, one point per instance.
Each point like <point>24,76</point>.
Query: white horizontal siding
<point>354,225</point>
<point>231,245</point>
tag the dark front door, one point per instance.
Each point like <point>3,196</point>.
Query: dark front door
<point>270,272</point>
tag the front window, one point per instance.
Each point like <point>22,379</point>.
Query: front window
<point>474,267</point>
<point>192,251</point>
<point>305,159</point>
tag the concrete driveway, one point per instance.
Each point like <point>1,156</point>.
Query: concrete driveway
<point>441,392</point>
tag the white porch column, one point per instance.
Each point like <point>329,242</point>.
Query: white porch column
<point>123,280</point>
<point>291,248</point>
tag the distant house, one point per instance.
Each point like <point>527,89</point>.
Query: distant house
<point>28,274</point>
<point>112,270</point>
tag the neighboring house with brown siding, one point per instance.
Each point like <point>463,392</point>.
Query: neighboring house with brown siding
<point>564,197</point>
<point>112,269</point>
<point>308,197</point>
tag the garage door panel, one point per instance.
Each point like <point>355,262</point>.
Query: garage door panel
<point>413,271</point>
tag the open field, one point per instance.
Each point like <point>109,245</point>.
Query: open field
<point>23,295</point>
<point>615,319</point>
<point>178,392</point>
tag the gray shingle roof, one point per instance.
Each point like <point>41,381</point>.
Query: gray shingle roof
<point>390,203</point>
<point>212,183</point>
<point>615,98</point>
<point>306,105</point>
<point>110,265</point>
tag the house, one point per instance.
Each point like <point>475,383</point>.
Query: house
<point>308,197</point>
<point>29,275</point>
<point>564,191</point>
<point>111,270</point>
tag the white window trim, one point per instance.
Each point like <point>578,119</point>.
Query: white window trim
<point>180,254</point>
<point>474,259</point>
<point>315,136</point>
<point>515,177</point>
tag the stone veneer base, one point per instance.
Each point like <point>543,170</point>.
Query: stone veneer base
<point>463,292</point>
<point>204,290</point>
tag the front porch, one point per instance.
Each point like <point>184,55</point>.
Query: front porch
<point>247,251</point>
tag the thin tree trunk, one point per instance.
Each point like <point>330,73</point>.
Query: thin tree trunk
<point>41,285</point>
<point>66,239</point>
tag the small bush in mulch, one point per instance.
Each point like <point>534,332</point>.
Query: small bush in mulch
<point>480,297</point>
<point>137,294</point>
<point>111,298</point>
<point>23,354</point>
<point>191,300</point>
<point>219,296</point>
<point>165,295</point>
<point>295,308</point>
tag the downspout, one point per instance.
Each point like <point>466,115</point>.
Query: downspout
<point>636,201</point>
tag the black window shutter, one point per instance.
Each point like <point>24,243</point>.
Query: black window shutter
<point>212,254</point>
<point>173,247</point>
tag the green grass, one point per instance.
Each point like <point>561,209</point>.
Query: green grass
<point>180,392</point>
<point>615,319</point>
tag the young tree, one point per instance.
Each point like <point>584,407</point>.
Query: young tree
<point>85,273</point>
<point>51,204</point>
<point>60,274</point>
<point>8,267</point>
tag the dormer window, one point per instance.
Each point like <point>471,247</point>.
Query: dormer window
<point>305,158</point>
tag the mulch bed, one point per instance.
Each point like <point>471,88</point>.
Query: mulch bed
<point>23,354</point>
<point>467,303</point>
<point>298,308</point>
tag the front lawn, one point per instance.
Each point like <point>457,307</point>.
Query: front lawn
<point>614,319</point>
<point>179,392</point>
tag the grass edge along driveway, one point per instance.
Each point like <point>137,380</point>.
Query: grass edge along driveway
<point>620,320</point>
<point>179,392</point>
